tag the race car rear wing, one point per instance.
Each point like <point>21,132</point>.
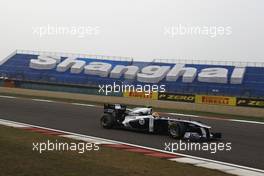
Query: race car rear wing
<point>115,106</point>
<point>118,111</point>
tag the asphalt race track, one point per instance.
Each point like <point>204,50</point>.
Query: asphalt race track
<point>247,139</point>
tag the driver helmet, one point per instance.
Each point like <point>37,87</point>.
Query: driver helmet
<point>155,115</point>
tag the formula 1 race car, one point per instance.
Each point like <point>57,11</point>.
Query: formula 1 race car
<point>144,120</point>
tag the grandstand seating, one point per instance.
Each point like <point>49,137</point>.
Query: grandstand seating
<point>17,68</point>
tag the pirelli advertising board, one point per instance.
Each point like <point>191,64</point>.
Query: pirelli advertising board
<point>176,97</point>
<point>250,102</point>
<point>143,95</point>
<point>215,100</point>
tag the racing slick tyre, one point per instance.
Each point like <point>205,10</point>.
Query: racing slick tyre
<point>176,130</point>
<point>107,121</point>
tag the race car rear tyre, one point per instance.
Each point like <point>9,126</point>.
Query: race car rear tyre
<point>176,130</point>
<point>107,121</point>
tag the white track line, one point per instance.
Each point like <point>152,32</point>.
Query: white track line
<point>239,170</point>
<point>82,104</point>
<point>243,172</point>
<point>246,121</point>
<point>186,115</point>
<point>204,117</point>
<point>188,160</point>
<point>221,167</point>
<point>11,124</point>
<point>3,96</point>
<point>43,100</point>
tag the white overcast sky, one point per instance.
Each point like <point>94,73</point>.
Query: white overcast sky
<point>136,28</point>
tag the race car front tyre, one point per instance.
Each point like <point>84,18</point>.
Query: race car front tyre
<point>107,121</point>
<point>176,130</point>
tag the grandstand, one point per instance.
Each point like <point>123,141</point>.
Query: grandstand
<point>16,68</point>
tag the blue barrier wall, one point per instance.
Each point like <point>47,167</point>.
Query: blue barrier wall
<point>17,68</point>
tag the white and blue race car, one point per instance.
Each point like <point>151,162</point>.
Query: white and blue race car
<point>145,120</point>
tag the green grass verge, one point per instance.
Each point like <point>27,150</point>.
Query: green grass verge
<point>18,159</point>
<point>201,113</point>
